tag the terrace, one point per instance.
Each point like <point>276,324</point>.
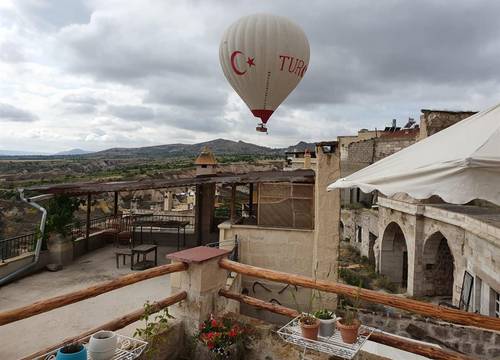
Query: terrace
<point>203,276</point>
<point>287,216</point>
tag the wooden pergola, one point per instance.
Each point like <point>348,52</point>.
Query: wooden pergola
<point>88,189</point>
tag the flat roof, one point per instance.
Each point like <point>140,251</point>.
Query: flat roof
<point>82,188</point>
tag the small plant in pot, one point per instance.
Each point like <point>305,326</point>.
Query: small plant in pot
<point>349,323</point>
<point>73,351</point>
<point>309,326</point>
<point>327,321</point>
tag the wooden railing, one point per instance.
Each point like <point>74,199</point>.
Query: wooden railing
<point>418,307</point>
<point>45,305</point>
<point>432,352</point>
<point>115,324</point>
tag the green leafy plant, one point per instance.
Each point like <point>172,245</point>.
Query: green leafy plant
<point>71,348</point>
<point>219,335</point>
<point>351,312</point>
<point>323,314</point>
<point>60,213</point>
<point>152,327</point>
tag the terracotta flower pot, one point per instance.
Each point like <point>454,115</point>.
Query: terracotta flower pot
<point>310,331</point>
<point>349,333</point>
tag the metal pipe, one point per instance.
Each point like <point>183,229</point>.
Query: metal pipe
<point>38,247</point>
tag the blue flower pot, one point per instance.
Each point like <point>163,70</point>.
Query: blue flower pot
<point>80,355</point>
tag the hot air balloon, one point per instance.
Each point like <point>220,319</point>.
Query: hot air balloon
<point>264,57</point>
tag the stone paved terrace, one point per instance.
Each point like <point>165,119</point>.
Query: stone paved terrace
<point>32,334</point>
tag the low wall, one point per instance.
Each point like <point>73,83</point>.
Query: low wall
<point>472,341</point>
<point>96,241</point>
<point>15,263</point>
<point>265,344</point>
<point>281,249</point>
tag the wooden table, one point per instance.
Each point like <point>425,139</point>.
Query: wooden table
<point>143,250</point>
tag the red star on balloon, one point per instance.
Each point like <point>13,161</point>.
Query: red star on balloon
<point>250,62</point>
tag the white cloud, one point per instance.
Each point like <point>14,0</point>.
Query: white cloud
<point>99,74</point>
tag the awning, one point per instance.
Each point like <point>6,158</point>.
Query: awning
<point>459,164</point>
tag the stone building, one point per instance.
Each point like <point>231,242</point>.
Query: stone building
<point>296,231</point>
<point>427,248</point>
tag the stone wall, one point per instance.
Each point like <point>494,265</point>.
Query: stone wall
<point>281,249</point>
<point>478,343</point>
<point>433,121</point>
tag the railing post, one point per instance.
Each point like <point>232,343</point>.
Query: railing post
<point>87,231</point>
<point>201,281</point>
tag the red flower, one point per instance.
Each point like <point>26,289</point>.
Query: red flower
<point>233,332</point>
<point>214,323</point>
<point>210,345</point>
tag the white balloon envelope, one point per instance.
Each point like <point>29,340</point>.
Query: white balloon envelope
<point>264,57</point>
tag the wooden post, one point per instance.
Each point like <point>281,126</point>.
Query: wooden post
<point>250,200</point>
<point>87,229</point>
<point>432,352</point>
<point>233,203</point>
<point>42,306</point>
<point>115,324</point>
<point>115,210</point>
<point>418,307</point>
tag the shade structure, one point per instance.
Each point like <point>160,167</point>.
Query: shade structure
<point>459,164</point>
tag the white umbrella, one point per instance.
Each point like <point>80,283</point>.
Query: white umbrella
<point>459,164</point>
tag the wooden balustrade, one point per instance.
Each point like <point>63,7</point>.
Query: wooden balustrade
<point>418,307</point>
<point>115,324</point>
<point>45,305</point>
<point>432,352</point>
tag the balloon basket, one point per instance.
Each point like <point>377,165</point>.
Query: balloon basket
<point>261,128</point>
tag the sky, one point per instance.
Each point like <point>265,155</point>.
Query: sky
<point>98,74</point>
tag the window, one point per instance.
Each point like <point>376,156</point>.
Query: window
<point>358,233</point>
<point>497,305</point>
<point>494,303</point>
<point>477,294</point>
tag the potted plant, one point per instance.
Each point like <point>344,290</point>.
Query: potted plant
<point>60,216</point>
<point>102,345</point>
<point>221,337</point>
<point>309,325</point>
<point>327,322</point>
<point>73,351</point>
<point>349,323</point>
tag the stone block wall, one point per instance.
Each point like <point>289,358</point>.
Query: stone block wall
<point>433,121</point>
<point>481,344</point>
<point>388,146</point>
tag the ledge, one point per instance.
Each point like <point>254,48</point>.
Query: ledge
<point>198,254</point>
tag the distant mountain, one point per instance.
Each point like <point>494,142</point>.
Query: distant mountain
<point>218,146</point>
<point>21,153</point>
<point>301,146</point>
<point>73,152</point>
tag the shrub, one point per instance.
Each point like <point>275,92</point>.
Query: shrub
<point>384,282</point>
<point>353,278</point>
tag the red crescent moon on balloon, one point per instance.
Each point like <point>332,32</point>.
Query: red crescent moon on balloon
<point>233,64</point>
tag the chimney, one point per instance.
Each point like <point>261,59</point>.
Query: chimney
<point>394,123</point>
<point>307,159</point>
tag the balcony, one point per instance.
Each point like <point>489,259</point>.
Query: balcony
<point>204,276</point>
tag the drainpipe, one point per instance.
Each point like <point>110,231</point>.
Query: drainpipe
<point>31,201</point>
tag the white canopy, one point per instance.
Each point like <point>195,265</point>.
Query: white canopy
<point>459,164</point>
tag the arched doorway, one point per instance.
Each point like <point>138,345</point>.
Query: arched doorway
<point>394,255</point>
<point>438,266</point>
